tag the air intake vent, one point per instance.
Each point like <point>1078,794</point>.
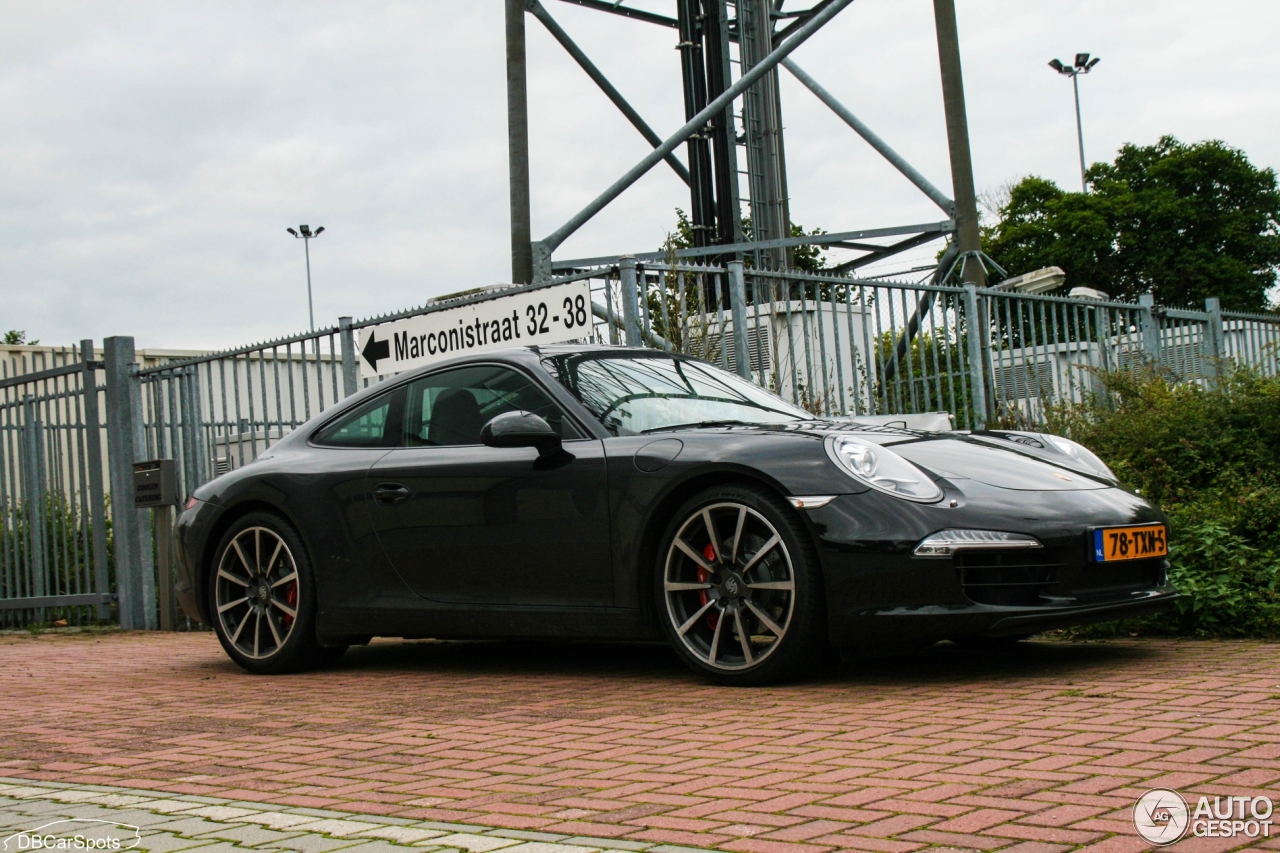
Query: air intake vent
<point>758,350</point>
<point>1128,576</point>
<point>1006,577</point>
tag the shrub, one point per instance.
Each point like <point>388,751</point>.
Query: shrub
<point>1210,458</point>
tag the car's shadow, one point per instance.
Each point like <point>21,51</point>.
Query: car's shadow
<point>941,664</point>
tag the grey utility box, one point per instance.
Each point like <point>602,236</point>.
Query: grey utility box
<point>155,483</point>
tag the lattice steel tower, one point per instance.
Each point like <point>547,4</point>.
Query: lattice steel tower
<point>726,112</point>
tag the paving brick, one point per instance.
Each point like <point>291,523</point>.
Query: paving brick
<point>807,830</point>
<point>474,843</point>
<point>306,843</point>
<point>1035,847</point>
<point>167,842</point>
<point>954,839</point>
<point>1062,815</point>
<point>1039,749</point>
<point>761,845</point>
<point>249,836</point>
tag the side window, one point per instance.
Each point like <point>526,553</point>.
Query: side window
<point>367,426</point>
<point>450,408</point>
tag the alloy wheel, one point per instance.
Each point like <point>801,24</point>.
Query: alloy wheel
<point>729,586</point>
<point>256,592</point>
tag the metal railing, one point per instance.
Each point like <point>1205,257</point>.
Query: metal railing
<point>217,412</point>
<point>835,345</point>
<point>840,346</point>
<point>54,559</point>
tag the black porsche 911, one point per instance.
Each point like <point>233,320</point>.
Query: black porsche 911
<point>625,494</point>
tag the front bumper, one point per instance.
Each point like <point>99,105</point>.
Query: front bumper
<point>877,589</point>
<point>930,623</point>
<point>191,530</point>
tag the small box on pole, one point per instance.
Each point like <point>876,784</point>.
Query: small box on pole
<point>155,487</point>
<point>155,483</point>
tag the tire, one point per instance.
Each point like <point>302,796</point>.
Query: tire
<point>262,598</point>
<point>748,615</point>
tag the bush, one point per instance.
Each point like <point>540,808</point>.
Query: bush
<point>1210,458</point>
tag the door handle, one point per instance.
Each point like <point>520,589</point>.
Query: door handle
<point>391,493</point>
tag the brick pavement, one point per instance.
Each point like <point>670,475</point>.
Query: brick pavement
<point>1038,749</point>
<point>166,823</point>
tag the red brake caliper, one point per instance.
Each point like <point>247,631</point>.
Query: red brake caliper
<point>292,600</point>
<point>703,595</point>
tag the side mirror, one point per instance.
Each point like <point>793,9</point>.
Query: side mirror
<point>521,429</point>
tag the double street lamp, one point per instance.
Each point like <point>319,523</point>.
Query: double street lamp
<point>1083,65</point>
<point>307,236</point>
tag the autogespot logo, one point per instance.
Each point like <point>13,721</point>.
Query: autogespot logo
<point>74,834</point>
<point>1162,816</point>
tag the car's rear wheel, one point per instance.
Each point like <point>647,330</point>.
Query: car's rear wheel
<point>264,599</point>
<point>739,590</point>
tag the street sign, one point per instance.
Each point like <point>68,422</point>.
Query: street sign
<point>549,315</point>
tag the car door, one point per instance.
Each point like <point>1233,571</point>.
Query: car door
<point>330,496</point>
<point>466,523</point>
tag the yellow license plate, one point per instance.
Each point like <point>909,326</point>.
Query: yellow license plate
<point>1135,542</point>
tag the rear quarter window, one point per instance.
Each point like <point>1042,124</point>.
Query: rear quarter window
<point>366,426</point>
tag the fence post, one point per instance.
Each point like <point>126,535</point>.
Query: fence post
<point>976,326</point>
<point>35,485</point>
<point>1215,337</point>
<point>630,300</point>
<point>350,383</point>
<point>163,519</point>
<point>97,497</point>
<point>738,307</point>
<point>195,430</point>
<point>135,575</point>
<point>1150,327</point>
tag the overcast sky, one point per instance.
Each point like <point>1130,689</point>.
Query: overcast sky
<point>152,153</point>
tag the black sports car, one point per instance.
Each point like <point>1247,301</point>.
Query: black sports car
<point>615,493</point>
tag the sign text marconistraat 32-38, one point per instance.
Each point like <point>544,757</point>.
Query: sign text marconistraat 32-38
<point>546,316</point>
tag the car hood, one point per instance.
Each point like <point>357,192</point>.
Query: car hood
<point>959,456</point>
<point>970,459</point>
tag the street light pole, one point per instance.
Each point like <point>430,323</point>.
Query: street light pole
<point>1083,65</point>
<point>307,236</point>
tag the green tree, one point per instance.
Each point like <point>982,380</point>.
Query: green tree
<point>1184,222</point>
<point>16,336</point>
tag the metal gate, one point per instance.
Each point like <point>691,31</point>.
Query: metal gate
<point>55,562</point>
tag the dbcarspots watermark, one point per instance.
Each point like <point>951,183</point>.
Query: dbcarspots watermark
<point>1162,816</point>
<point>74,834</point>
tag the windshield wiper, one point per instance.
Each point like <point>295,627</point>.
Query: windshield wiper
<point>697,425</point>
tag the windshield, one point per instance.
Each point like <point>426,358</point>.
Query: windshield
<point>637,394</point>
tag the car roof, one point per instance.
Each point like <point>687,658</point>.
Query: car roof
<point>525,355</point>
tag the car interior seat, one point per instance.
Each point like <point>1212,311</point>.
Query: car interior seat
<point>455,418</point>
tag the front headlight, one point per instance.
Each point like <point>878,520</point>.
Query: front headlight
<point>881,468</point>
<point>1081,455</point>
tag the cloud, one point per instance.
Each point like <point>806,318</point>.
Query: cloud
<point>154,152</point>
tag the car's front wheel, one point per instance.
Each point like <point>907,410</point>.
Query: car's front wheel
<point>264,598</point>
<point>739,589</point>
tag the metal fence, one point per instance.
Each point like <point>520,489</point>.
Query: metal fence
<point>54,556</point>
<point>834,345</point>
<point>840,346</point>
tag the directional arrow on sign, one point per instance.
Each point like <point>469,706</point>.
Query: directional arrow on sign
<point>375,350</point>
